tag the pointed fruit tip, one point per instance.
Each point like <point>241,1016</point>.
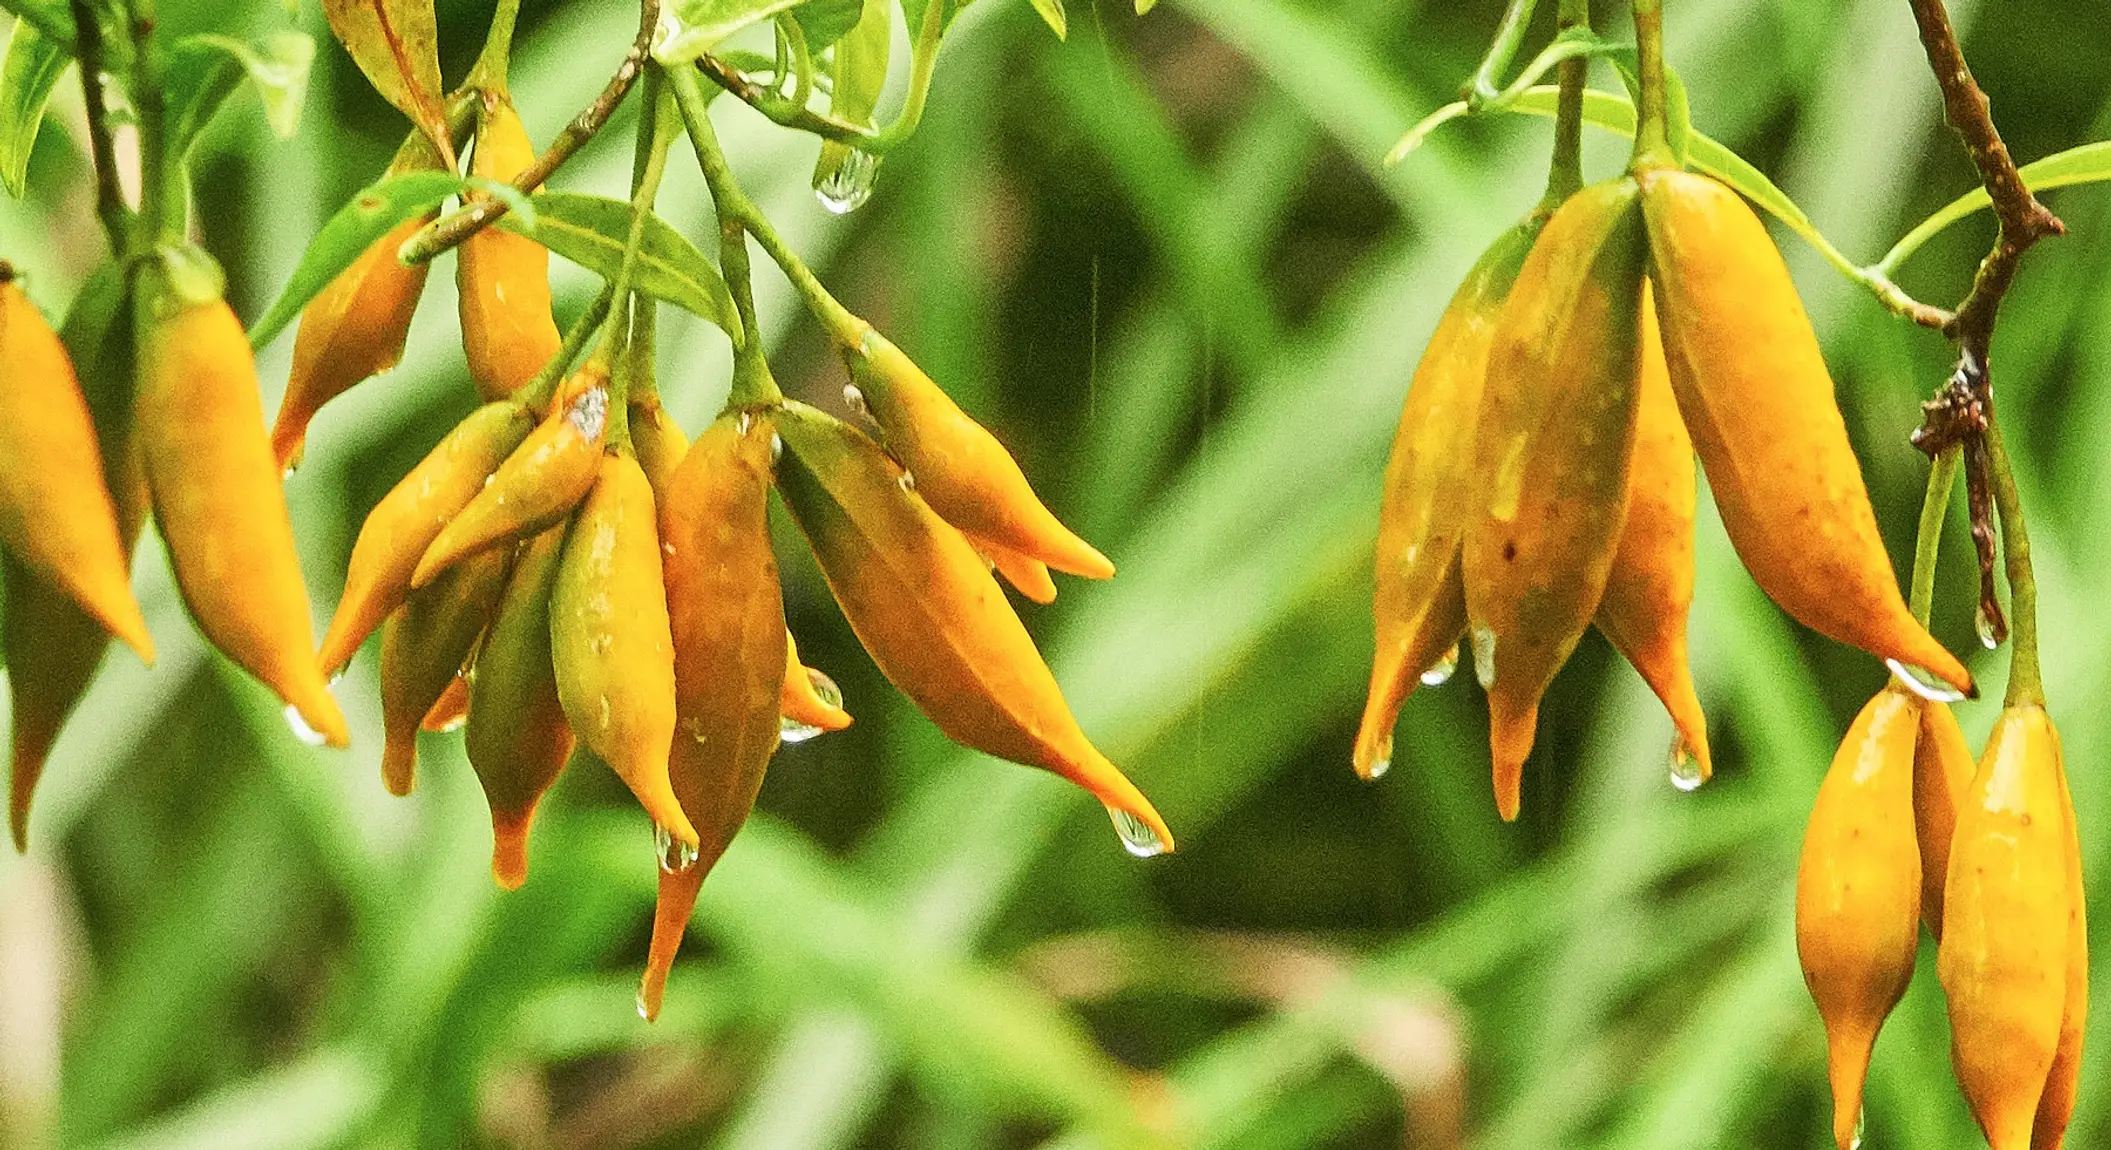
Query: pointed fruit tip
<point>399,764</point>
<point>509,848</point>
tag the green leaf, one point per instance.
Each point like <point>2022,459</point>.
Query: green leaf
<point>205,70</point>
<point>826,21</point>
<point>690,28</point>
<point>591,231</point>
<point>396,43</point>
<point>1052,14</point>
<point>915,12</point>
<point>2086,164</point>
<point>29,71</point>
<point>53,18</point>
<point>356,226</point>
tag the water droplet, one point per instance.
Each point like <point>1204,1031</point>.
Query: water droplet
<point>1861,1127</point>
<point>287,473</point>
<point>744,422</point>
<point>676,856</point>
<point>1483,654</point>
<point>847,188</point>
<point>825,687</point>
<point>589,413</point>
<point>907,481</point>
<point>855,398</point>
<point>1923,682</point>
<point>776,447</point>
<point>1439,673</point>
<point>301,729</point>
<point>644,1012</point>
<point>1983,623</point>
<point>1382,761</point>
<point>1685,765</point>
<point>790,730</point>
<point>1137,837</point>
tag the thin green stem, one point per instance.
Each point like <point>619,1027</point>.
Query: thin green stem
<point>537,392</point>
<point>159,217</point>
<point>752,382</point>
<point>1487,79</point>
<point>489,71</point>
<point>657,129</point>
<point>1652,144</point>
<point>2024,683</point>
<point>1565,173</point>
<point>802,60</point>
<point>1934,507</point>
<point>922,62</point>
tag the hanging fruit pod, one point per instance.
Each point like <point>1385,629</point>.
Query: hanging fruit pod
<point>1756,397</point>
<point>1858,893</point>
<point>727,618</point>
<point>1552,458</point>
<point>1942,776</point>
<point>423,647</point>
<point>800,700</point>
<point>924,604</point>
<point>2063,1082</point>
<point>503,279</point>
<point>1419,600</point>
<point>215,489</point>
<point>516,735</point>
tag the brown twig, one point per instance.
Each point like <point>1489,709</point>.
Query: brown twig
<point>109,196</point>
<point>451,230</point>
<point>1957,417</point>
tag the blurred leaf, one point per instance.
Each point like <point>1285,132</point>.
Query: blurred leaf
<point>29,70</point>
<point>2086,164</point>
<point>690,28</point>
<point>396,43</point>
<point>311,1103</point>
<point>916,12</point>
<point>1052,14</point>
<point>204,70</point>
<point>591,231</point>
<point>54,18</point>
<point>824,22</point>
<point>365,219</point>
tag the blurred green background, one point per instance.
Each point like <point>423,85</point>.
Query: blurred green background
<point>1161,261</point>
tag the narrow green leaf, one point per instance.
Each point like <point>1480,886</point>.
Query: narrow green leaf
<point>1143,6</point>
<point>53,18</point>
<point>824,22</point>
<point>369,216</point>
<point>591,231</point>
<point>1052,14</point>
<point>29,71</point>
<point>205,70</point>
<point>2086,164</point>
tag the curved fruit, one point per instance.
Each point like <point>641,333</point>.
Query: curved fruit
<point>1942,776</point>
<point>350,332</point>
<point>516,735</point>
<point>423,647</point>
<point>503,279</point>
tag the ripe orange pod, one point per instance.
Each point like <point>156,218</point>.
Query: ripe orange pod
<point>1552,458</point>
<point>352,331</point>
<point>503,279</point>
<point>1858,893</point>
<point>2063,1082</point>
<point>1418,601</point>
<point>2006,913</point>
<point>799,698</point>
<point>1942,775</point>
<point>516,735</point>
<point>406,521</point>
<point>57,519</point>
<point>1758,401</point>
<point>539,484</point>
<point>925,606</point>
<point>217,498</point>
<point>52,646</point>
<point>959,468</point>
<point>1650,588</point>
<point>1028,575</point>
<point>610,638</point>
<point>451,709</point>
<point>423,647</point>
<point>727,617</point>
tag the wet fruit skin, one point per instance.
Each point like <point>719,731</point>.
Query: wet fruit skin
<point>1418,598</point>
<point>1858,892</point>
<point>218,503</point>
<point>1942,776</point>
<point>922,602</point>
<point>2007,907</point>
<point>1649,590</point>
<point>1758,401</point>
<point>503,279</point>
<point>1552,459</point>
<point>2063,1081</point>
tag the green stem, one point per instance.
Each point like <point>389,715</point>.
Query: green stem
<point>159,218</point>
<point>1565,173</point>
<point>656,132</point>
<point>489,71</point>
<point>2024,683</point>
<point>537,392</point>
<point>752,382</point>
<point>1942,476</point>
<point>1652,144</point>
<point>1486,81</point>
<point>802,61</point>
<point>921,64</point>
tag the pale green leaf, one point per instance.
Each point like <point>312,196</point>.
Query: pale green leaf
<point>29,71</point>
<point>690,28</point>
<point>54,18</point>
<point>2086,164</point>
<point>591,231</point>
<point>205,70</point>
<point>823,22</point>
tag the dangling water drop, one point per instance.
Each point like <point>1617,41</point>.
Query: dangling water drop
<point>907,481</point>
<point>1923,682</point>
<point>1137,837</point>
<point>776,447</point>
<point>1983,623</point>
<point>301,729</point>
<point>845,189</point>
<point>1382,762</point>
<point>855,399</point>
<point>1861,1127</point>
<point>1685,765</point>
<point>676,856</point>
<point>644,1011</point>
<point>1483,654</point>
<point>791,730</point>
<point>1439,673</point>
<point>746,421</point>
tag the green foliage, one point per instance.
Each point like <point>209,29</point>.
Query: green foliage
<point>30,67</point>
<point>1172,272</point>
<point>591,230</point>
